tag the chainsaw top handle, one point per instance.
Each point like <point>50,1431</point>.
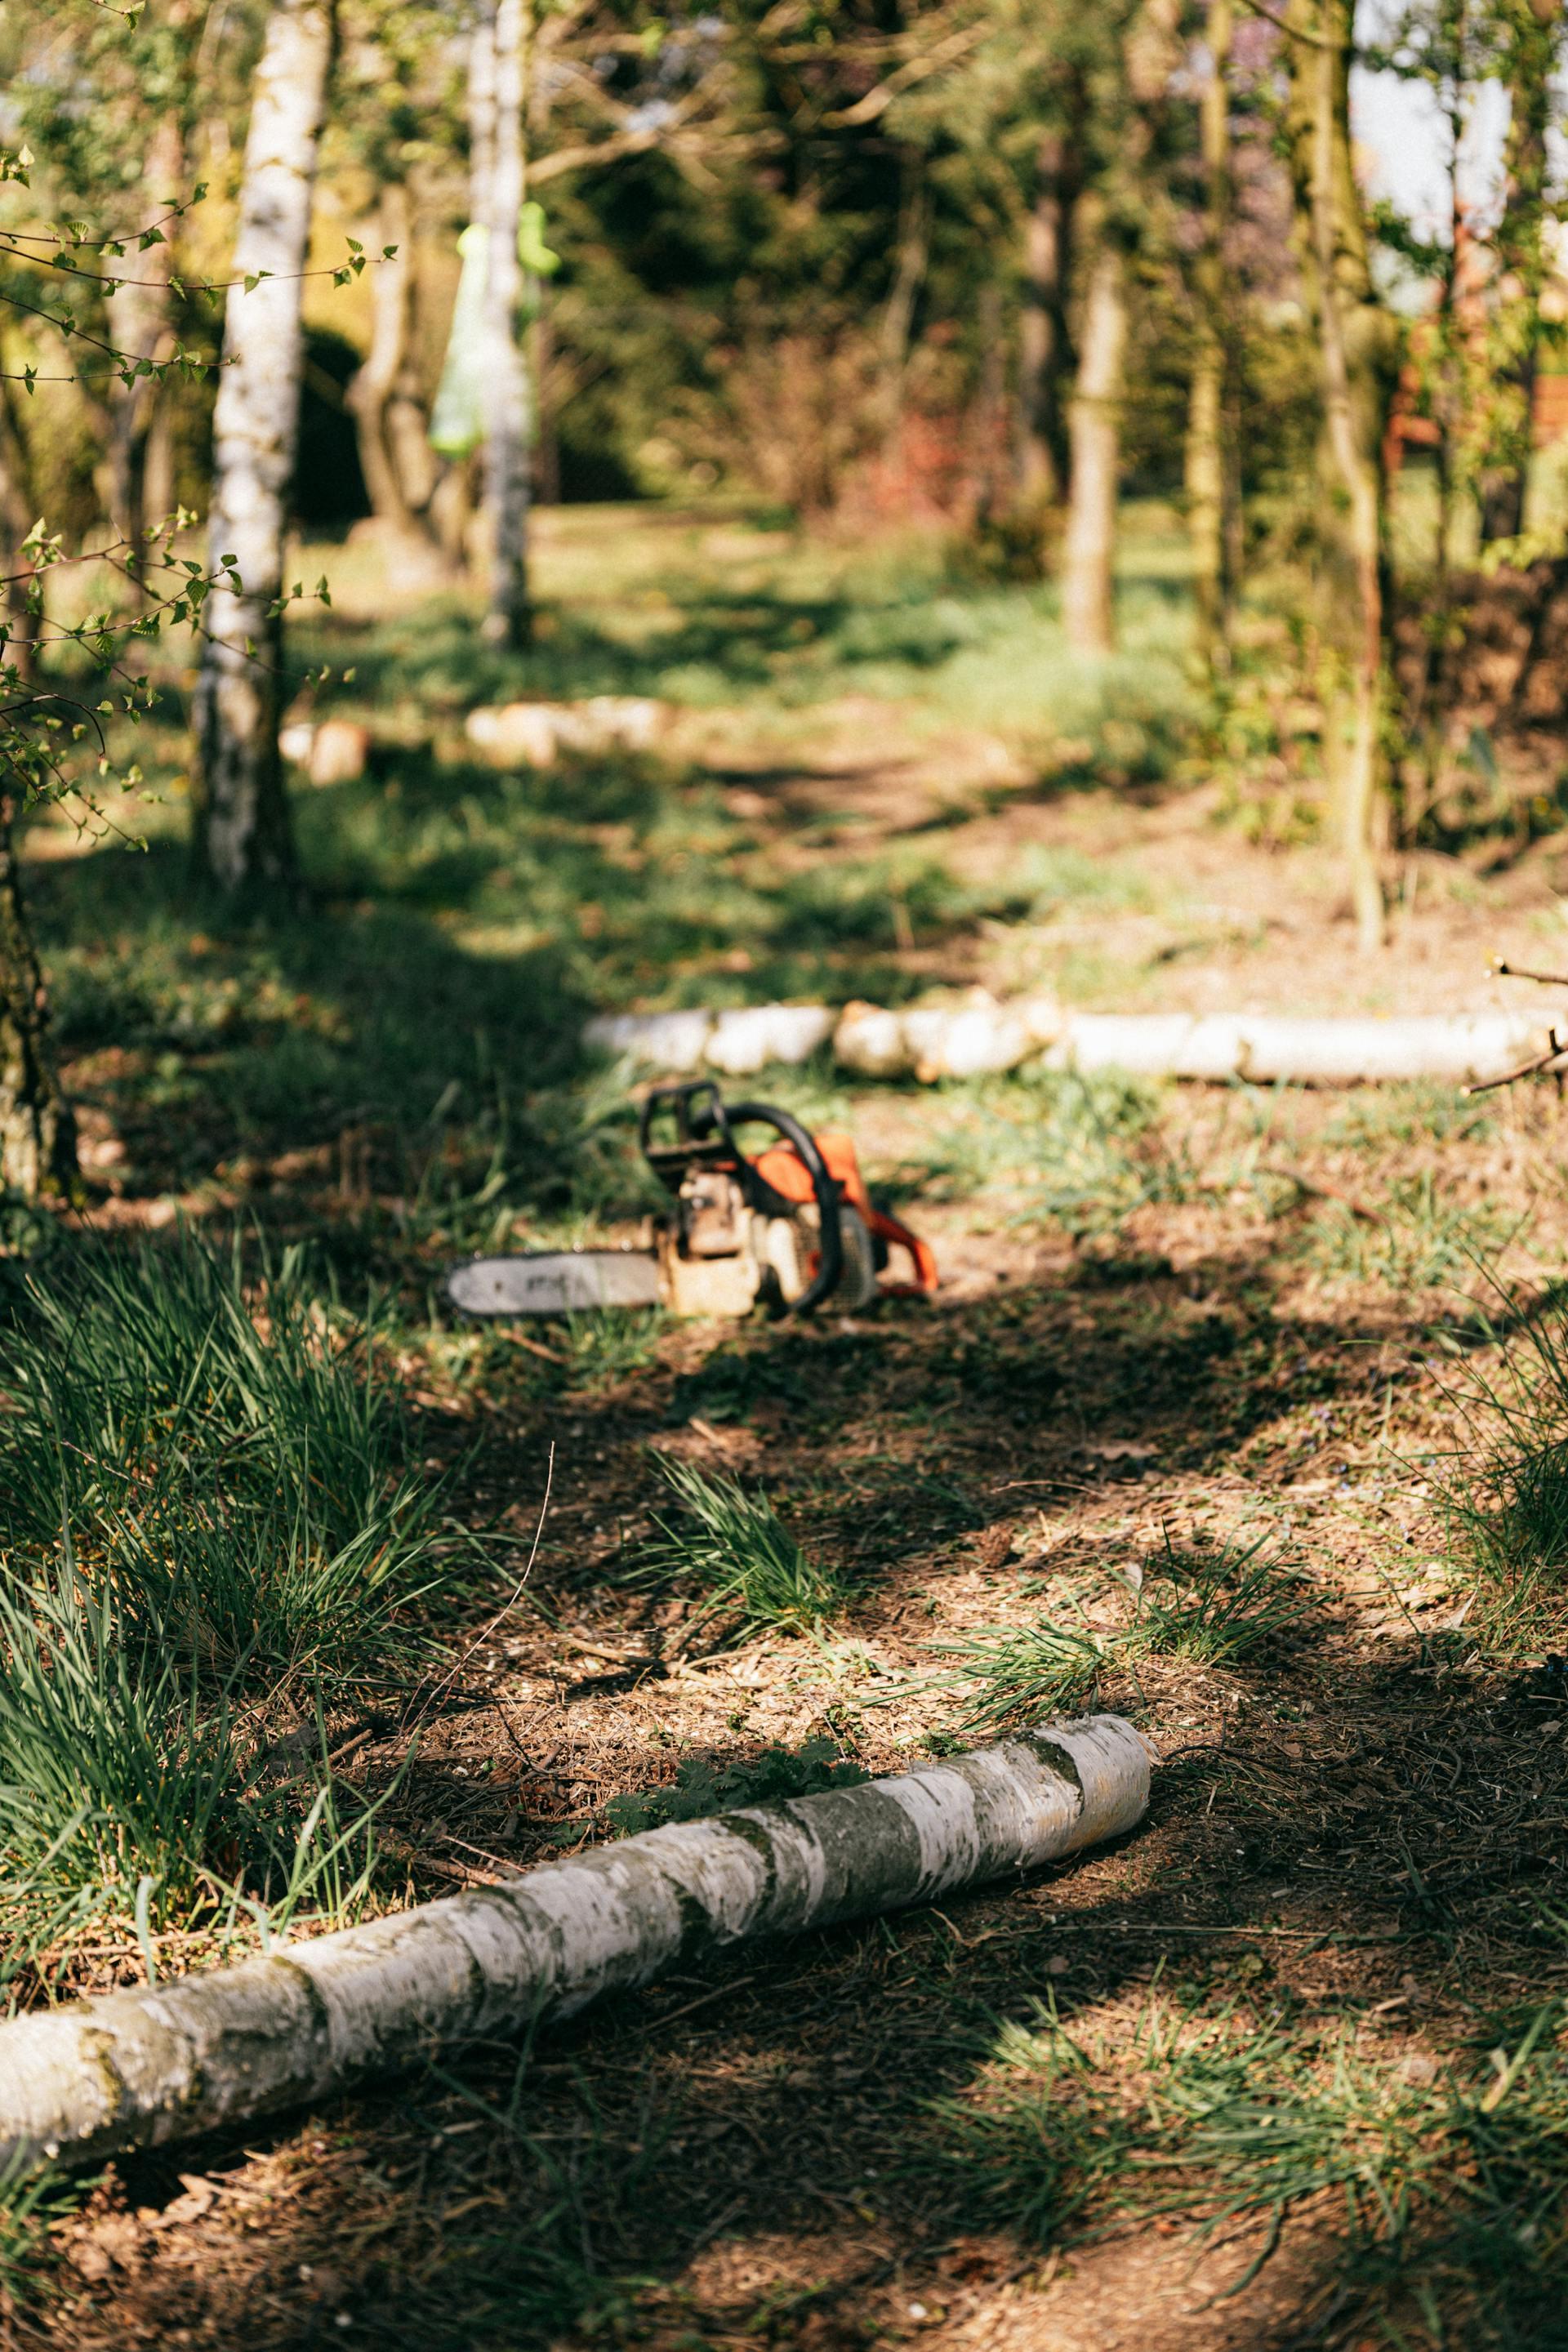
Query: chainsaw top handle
<point>704,1137</point>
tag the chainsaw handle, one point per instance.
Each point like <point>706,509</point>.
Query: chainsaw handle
<point>922,1257</point>
<point>830,1266</point>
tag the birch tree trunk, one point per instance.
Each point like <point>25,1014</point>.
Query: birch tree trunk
<point>140,327</point>
<point>1043,342</point>
<point>1094,423</point>
<point>243,835</point>
<point>509,408</point>
<point>1208,473</point>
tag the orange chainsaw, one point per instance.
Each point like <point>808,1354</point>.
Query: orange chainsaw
<point>788,1230</point>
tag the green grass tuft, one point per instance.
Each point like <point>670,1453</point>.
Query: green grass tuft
<point>1505,1495</point>
<point>1012,1670</point>
<point>751,1571</point>
<point>207,1524</point>
<point>1220,1606</point>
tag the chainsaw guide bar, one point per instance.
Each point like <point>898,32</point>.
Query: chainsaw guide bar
<point>554,1282</point>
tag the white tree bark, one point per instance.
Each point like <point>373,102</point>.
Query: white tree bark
<point>509,404</point>
<point>137,2069</point>
<point>242,831</point>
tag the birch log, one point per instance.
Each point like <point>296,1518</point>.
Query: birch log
<point>976,1034</point>
<point>138,2069</point>
<point>243,833</point>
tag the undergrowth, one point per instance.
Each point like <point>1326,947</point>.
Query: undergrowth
<point>703,1785</point>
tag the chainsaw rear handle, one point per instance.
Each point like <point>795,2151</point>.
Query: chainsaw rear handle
<point>922,1259</point>
<point>830,1265</point>
<point>701,1114</point>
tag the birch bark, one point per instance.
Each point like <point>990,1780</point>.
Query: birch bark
<point>138,2069</point>
<point>243,835</point>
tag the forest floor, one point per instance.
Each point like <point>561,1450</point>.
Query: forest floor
<point>1228,1387</point>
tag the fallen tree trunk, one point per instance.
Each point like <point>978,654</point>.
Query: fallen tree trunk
<point>138,2069</point>
<point>975,1035</point>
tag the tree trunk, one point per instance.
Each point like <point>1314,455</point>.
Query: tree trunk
<point>140,327</point>
<point>1355,353</point>
<point>547,441</point>
<point>1043,350</point>
<point>1208,472</point>
<point>370,393</point>
<point>1522,264</point>
<point>243,833</point>
<point>509,419</point>
<point>138,2069</point>
<point>38,1134</point>
<point>1089,547</point>
<point>899,311</point>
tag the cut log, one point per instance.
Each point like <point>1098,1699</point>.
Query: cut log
<point>751,1038</point>
<point>138,2069</point>
<point>1331,1051</point>
<point>973,1034</point>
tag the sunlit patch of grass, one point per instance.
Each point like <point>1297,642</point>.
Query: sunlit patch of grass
<point>1230,2113</point>
<point>751,1574</point>
<point>1209,1607</point>
<point>1214,1607</point>
<point>607,1348</point>
<point>222,1448</point>
<point>1006,1672</point>
<point>1425,1113</point>
<point>1416,1239</point>
<point>1083,1152</point>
